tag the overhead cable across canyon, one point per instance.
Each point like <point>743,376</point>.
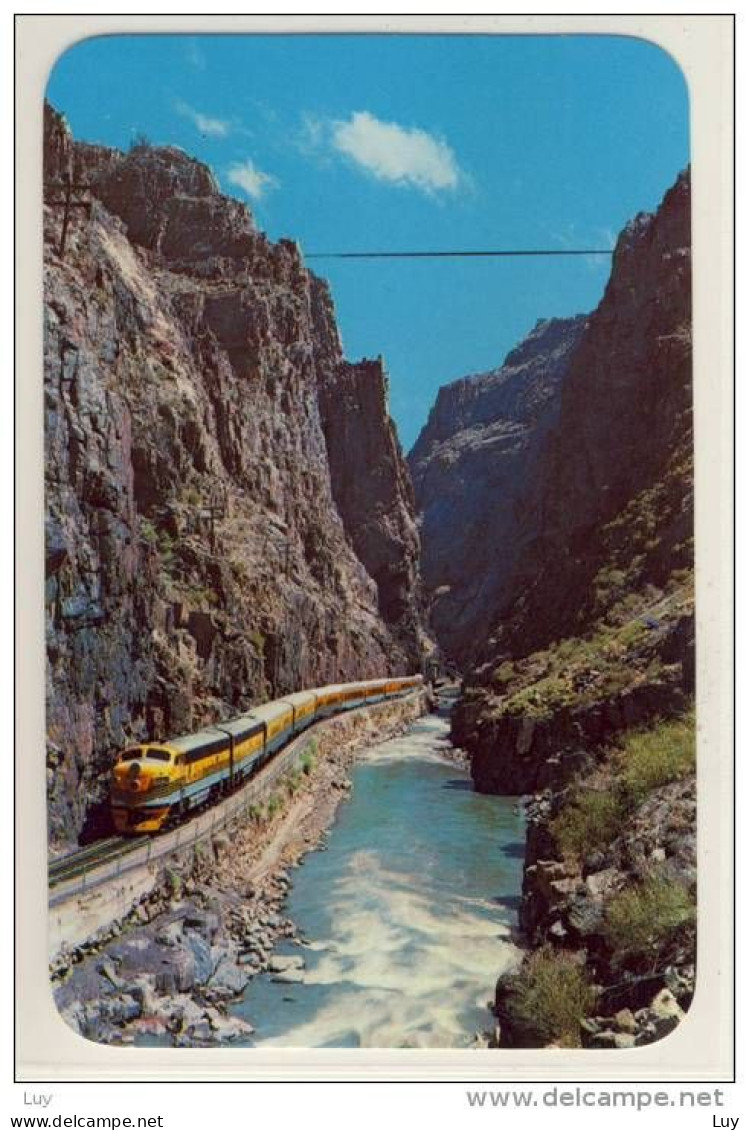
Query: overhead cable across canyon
<point>503,254</point>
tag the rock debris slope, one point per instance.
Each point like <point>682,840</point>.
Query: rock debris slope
<point>229,514</point>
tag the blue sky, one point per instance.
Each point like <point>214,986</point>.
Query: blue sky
<point>417,143</point>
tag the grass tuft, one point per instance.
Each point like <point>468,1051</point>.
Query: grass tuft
<point>548,997</point>
<point>588,823</point>
<point>655,757</point>
<point>641,921</point>
<point>645,761</point>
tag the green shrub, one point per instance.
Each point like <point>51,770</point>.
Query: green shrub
<point>631,632</point>
<point>148,532</point>
<point>240,571</point>
<point>191,496</point>
<point>567,649</point>
<point>258,641</point>
<point>173,883</point>
<point>294,781</point>
<point>542,698</point>
<point>504,674</point>
<point>610,578</point>
<point>159,540</point>
<point>141,141</point>
<point>548,998</point>
<point>308,758</point>
<point>640,921</point>
<point>589,822</point>
<point>197,595</point>
<point>275,803</point>
<point>655,757</point>
<point>679,577</point>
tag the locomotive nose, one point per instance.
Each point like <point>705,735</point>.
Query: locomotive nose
<point>133,778</point>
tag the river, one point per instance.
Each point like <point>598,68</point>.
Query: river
<point>406,913</point>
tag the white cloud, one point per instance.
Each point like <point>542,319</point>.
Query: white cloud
<point>250,179</point>
<point>394,153</point>
<point>210,127</point>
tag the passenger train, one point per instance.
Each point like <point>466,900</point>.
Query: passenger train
<point>156,783</point>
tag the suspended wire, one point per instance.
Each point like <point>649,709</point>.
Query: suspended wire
<point>451,254</point>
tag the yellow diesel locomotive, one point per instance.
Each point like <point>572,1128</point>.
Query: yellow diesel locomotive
<point>155,783</point>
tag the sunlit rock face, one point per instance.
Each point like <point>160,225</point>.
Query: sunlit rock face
<point>373,492</point>
<point>471,465</point>
<point>205,546</point>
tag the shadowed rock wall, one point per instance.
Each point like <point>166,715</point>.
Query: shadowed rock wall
<point>471,466</point>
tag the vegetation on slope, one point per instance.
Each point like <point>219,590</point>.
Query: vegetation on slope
<point>598,807</point>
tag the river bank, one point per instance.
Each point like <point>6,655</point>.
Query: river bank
<point>169,971</point>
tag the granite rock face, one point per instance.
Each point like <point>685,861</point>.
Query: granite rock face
<point>605,533</point>
<point>614,482</point>
<point>471,466</point>
<point>373,492</point>
<point>206,547</point>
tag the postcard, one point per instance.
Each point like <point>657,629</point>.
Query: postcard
<point>385,693</point>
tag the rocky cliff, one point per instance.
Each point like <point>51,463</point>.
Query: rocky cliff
<point>606,547</point>
<point>471,466</point>
<point>609,897</point>
<point>582,692</point>
<point>228,512</point>
<point>613,492</point>
<point>372,490</point>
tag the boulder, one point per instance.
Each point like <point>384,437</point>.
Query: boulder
<point>289,977</point>
<point>665,1013</point>
<point>227,1029</point>
<point>202,955</point>
<point>177,973</point>
<point>282,963</point>
<point>228,980</point>
<point>171,933</point>
<point>625,1020</point>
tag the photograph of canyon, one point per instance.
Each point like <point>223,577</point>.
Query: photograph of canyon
<point>370,652</point>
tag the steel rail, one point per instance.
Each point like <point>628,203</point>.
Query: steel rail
<point>77,862</point>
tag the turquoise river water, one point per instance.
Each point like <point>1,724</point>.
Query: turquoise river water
<point>406,913</point>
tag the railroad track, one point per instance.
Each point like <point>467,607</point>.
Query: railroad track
<point>103,856</point>
<point>102,851</point>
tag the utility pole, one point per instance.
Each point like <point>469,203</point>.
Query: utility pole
<point>71,199</point>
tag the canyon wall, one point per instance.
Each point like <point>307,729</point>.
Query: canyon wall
<point>606,528</point>
<point>471,467</point>
<point>582,690</point>
<point>229,515</point>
